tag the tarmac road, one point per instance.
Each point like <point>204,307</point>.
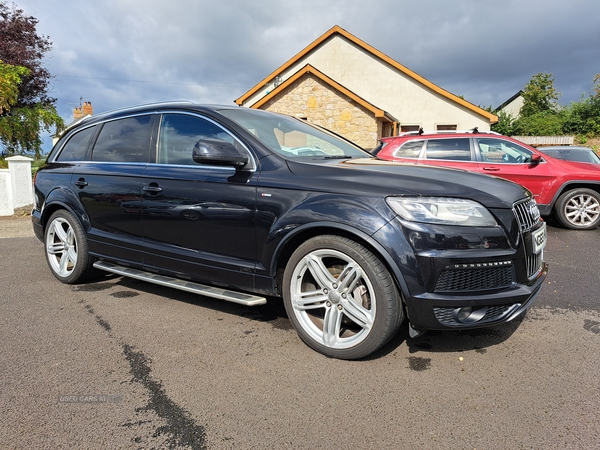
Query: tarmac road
<point>123,364</point>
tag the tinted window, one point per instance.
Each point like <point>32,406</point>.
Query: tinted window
<point>124,140</point>
<point>178,135</point>
<point>451,149</point>
<point>409,150</point>
<point>74,149</point>
<point>501,151</point>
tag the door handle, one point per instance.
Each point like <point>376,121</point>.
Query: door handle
<point>491,169</point>
<point>81,183</point>
<point>152,188</point>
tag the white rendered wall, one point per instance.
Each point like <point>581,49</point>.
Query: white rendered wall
<point>384,86</point>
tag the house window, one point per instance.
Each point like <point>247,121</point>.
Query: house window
<point>446,127</point>
<point>407,128</point>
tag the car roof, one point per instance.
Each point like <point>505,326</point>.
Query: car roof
<point>146,108</point>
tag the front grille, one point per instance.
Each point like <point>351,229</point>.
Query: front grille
<point>474,279</point>
<point>528,216</point>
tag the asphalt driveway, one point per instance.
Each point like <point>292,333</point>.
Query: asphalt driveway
<point>119,363</point>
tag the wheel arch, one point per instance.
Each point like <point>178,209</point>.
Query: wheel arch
<point>571,185</point>
<point>287,246</point>
<point>62,198</point>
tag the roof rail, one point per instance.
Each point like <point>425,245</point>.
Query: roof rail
<point>471,131</point>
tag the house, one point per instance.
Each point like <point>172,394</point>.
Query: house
<point>79,113</point>
<point>512,106</point>
<point>351,88</point>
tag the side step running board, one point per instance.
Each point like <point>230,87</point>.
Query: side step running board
<point>183,285</point>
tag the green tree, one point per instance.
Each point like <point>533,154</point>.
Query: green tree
<point>10,78</point>
<point>539,95</point>
<point>505,124</point>
<point>33,111</point>
<point>583,117</point>
<point>543,123</point>
<point>596,82</point>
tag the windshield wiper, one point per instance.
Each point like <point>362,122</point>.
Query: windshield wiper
<point>337,157</point>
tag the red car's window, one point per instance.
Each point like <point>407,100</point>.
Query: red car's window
<point>501,151</point>
<point>409,150</point>
<point>449,149</point>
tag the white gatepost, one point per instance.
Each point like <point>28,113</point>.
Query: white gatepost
<point>6,197</point>
<point>22,186</point>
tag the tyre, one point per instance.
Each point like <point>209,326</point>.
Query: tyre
<point>340,298</point>
<point>66,248</point>
<point>579,209</point>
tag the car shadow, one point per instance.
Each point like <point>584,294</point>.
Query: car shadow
<point>450,341</point>
<point>273,312</point>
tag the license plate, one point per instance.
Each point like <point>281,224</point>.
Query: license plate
<point>539,238</point>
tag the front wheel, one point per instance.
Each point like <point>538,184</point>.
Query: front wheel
<point>66,248</point>
<point>340,298</point>
<point>579,209</point>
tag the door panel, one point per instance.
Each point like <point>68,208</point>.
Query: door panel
<point>509,160</point>
<point>111,196</point>
<point>199,221</point>
<point>109,188</point>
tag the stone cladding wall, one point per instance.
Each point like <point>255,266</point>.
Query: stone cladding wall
<point>311,98</point>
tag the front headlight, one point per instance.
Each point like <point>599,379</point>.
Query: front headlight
<point>442,210</point>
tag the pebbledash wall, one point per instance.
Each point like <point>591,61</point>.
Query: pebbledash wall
<point>311,99</point>
<point>16,188</point>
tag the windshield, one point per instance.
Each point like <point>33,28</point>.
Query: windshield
<point>291,137</point>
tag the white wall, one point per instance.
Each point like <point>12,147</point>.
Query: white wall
<point>16,188</point>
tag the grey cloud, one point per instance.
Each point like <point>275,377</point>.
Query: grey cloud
<point>121,52</point>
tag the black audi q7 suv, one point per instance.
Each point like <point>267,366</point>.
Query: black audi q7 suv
<point>243,204</point>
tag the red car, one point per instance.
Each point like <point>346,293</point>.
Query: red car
<point>569,190</point>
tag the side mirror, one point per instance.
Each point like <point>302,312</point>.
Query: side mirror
<point>218,152</point>
<point>536,159</point>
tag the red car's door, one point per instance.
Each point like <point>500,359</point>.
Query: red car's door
<point>507,159</point>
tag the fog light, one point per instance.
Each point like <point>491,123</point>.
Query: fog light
<point>466,314</point>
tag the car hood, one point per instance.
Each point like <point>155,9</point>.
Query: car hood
<point>577,167</point>
<point>371,176</point>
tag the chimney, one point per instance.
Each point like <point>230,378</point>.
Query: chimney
<point>77,113</point>
<point>87,108</point>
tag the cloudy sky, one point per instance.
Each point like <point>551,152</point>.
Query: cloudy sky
<point>116,53</point>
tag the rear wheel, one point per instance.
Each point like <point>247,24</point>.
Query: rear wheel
<point>340,298</point>
<point>66,248</point>
<point>579,209</point>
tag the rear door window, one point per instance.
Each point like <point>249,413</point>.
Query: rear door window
<point>124,140</point>
<point>455,149</point>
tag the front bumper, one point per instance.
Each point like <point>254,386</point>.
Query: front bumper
<point>459,277</point>
<point>431,311</point>
<point>36,222</point>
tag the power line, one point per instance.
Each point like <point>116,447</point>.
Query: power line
<point>151,82</point>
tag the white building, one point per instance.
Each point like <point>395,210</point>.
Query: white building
<point>351,88</point>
